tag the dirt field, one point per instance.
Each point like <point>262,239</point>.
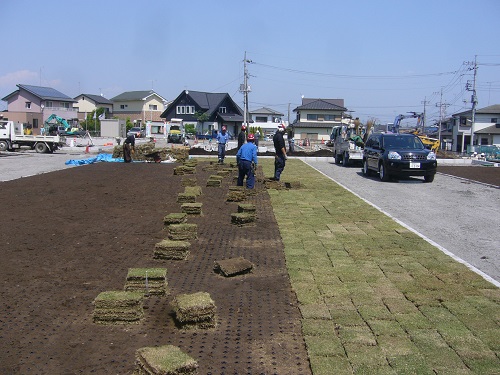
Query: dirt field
<point>69,235</point>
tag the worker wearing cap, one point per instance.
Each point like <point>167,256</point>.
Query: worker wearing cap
<point>246,158</point>
<point>222,139</point>
<point>280,157</point>
<point>242,136</point>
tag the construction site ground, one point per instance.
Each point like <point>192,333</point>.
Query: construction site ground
<point>337,287</point>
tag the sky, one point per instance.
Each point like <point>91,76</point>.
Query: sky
<point>384,57</point>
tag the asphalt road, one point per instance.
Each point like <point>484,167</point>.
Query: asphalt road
<point>461,217</point>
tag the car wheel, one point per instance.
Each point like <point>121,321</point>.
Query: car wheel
<point>429,178</point>
<point>4,146</point>
<point>41,148</point>
<point>384,176</point>
<point>366,171</point>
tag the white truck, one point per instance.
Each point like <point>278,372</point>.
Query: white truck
<point>13,136</point>
<point>347,145</point>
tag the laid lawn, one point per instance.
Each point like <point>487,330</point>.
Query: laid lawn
<point>375,297</point>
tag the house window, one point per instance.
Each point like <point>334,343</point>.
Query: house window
<point>463,120</point>
<point>484,141</point>
<point>49,104</point>
<point>260,119</point>
<point>27,105</point>
<point>123,106</point>
<point>312,117</point>
<point>153,107</point>
<point>64,105</point>
<point>185,110</point>
<point>35,123</point>
<point>494,120</point>
<point>222,110</point>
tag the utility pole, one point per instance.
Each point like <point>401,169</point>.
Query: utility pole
<point>474,105</point>
<point>425,102</point>
<point>245,89</point>
<point>441,105</point>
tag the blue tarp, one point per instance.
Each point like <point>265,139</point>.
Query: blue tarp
<point>98,158</point>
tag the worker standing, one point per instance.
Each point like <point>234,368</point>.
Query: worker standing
<point>280,149</point>
<point>246,158</point>
<point>128,148</point>
<point>242,136</point>
<point>222,139</point>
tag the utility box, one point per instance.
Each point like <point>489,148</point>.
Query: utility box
<point>113,128</point>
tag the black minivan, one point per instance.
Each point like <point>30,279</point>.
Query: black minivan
<point>398,155</point>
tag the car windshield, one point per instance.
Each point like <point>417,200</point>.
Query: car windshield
<point>402,142</point>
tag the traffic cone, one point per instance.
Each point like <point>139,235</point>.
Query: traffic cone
<point>87,149</point>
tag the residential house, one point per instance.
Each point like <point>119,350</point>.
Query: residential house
<point>316,117</point>
<point>207,111</point>
<point>140,107</point>
<point>32,105</point>
<point>485,125</point>
<point>88,103</point>
<point>266,118</point>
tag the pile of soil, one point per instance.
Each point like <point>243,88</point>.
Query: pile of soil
<point>484,174</point>
<point>75,233</point>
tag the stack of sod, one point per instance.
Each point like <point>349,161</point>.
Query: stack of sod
<point>183,232</point>
<point>194,190</point>
<point>191,163</point>
<point>186,181</point>
<point>247,207</point>
<point>236,196</point>
<point>175,250</point>
<point>213,182</point>
<point>242,218</point>
<point>186,198</point>
<point>182,170</point>
<point>147,281</point>
<point>191,208</point>
<point>175,218</point>
<point>195,311</point>
<point>164,360</point>
<point>224,173</point>
<point>233,266</point>
<point>117,307</point>
<point>181,154</point>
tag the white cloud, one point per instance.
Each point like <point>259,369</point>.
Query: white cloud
<point>10,80</point>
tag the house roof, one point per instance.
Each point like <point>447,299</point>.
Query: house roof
<point>266,111</point>
<point>493,129</point>
<point>209,102</point>
<point>44,93</point>
<point>97,99</point>
<point>322,104</point>
<point>129,96</point>
<point>231,117</point>
<point>492,109</point>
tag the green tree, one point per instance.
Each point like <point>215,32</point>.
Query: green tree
<point>201,116</point>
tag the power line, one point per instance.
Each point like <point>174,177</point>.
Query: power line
<point>289,70</point>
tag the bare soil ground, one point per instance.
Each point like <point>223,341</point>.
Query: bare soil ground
<point>69,235</point>
<point>487,175</point>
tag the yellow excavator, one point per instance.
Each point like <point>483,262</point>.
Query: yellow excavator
<point>432,143</point>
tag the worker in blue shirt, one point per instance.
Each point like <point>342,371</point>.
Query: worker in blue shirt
<point>222,139</point>
<point>246,158</point>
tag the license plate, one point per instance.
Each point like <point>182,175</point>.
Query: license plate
<point>415,165</point>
